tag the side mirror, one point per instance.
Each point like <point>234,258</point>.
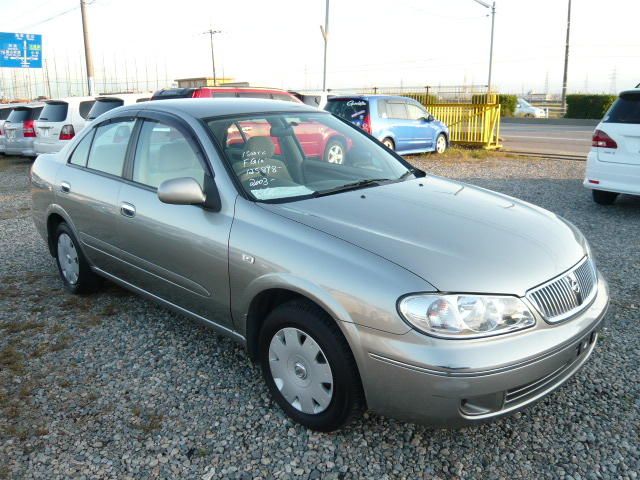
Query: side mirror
<point>181,191</point>
<point>429,118</point>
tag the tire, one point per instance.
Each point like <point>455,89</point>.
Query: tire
<point>388,142</point>
<point>441,144</point>
<point>73,267</point>
<point>304,357</point>
<point>604,198</point>
<point>335,152</point>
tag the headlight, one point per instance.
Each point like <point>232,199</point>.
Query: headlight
<point>465,316</point>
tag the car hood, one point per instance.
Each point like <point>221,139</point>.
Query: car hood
<point>457,237</point>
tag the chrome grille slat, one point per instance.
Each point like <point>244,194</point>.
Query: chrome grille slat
<point>567,294</point>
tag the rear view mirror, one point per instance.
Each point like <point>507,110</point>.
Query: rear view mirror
<point>181,191</point>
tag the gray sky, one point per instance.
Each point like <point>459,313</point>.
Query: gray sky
<point>384,43</point>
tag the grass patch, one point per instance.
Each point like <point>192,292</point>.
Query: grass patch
<point>12,359</point>
<point>460,153</point>
<point>17,326</point>
<point>60,344</point>
<point>146,422</point>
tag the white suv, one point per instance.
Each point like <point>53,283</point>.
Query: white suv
<point>60,121</point>
<point>613,164</point>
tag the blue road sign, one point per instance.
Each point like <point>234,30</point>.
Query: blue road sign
<point>20,50</point>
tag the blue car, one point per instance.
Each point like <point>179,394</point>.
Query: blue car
<point>400,123</point>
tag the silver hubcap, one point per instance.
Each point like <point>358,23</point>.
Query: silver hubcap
<point>335,154</point>
<point>388,144</point>
<point>441,144</point>
<point>300,370</point>
<point>68,259</point>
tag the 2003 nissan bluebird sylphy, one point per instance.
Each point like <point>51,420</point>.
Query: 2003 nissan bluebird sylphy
<point>357,283</point>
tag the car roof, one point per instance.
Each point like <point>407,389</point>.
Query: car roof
<point>346,97</point>
<point>69,99</point>
<point>218,107</point>
<point>632,90</point>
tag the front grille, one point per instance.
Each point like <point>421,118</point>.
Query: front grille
<point>567,294</point>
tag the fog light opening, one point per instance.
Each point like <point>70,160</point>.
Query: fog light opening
<point>482,405</point>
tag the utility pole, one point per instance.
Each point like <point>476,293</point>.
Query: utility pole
<point>87,49</point>
<point>325,36</point>
<point>492,7</point>
<point>211,33</point>
<point>566,62</point>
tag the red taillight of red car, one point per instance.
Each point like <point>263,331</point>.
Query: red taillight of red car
<point>366,124</point>
<point>29,128</point>
<point>67,132</point>
<point>602,140</point>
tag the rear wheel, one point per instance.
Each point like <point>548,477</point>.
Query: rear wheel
<point>73,267</point>
<point>388,142</point>
<point>309,368</point>
<point>604,198</point>
<point>441,144</point>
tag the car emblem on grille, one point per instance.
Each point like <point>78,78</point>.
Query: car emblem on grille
<point>572,281</point>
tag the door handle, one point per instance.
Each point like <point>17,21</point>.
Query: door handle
<point>127,210</point>
<point>65,187</point>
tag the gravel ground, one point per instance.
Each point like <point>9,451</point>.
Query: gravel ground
<point>111,386</point>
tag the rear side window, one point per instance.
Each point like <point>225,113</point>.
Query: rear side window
<point>80,154</point>
<point>353,109</point>
<point>110,147</point>
<point>4,113</point>
<point>54,112</point>
<point>102,106</point>
<point>19,115</point>
<point>626,109</point>
<point>85,108</point>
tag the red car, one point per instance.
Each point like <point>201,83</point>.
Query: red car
<point>316,140</point>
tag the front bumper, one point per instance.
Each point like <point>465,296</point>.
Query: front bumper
<point>422,379</point>
<point>612,177</point>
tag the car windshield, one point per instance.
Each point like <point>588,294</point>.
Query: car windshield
<point>524,103</point>
<point>283,157</point>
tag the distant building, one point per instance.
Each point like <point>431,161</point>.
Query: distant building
<point>207,82</point>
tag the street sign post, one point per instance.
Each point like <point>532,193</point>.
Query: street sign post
<point>20,50</point>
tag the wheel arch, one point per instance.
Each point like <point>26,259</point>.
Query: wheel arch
<point>55,216</point>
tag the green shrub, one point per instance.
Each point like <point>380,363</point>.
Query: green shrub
<point>588,106</point>
<point>508,104</point>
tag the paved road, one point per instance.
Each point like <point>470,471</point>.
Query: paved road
<point>553,139</point>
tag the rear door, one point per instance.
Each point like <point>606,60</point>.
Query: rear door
<point>622,124</point>
<point>87,189</point>
<point>53,117</point>
<point>176,252</point>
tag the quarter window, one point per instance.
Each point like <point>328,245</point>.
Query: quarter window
<point>110,147</point>
<point>163,153</point>
<point>79,155</point>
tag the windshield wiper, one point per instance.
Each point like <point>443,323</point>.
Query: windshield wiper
<point>353,186</point>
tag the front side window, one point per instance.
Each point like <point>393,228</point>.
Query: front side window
<point>397,110</point>
<point>415,112</point>
<point>280,157</point>
<point>109,147</point>
<point>163,153</point>
<point>80,154</point>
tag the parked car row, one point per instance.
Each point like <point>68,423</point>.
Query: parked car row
<point>400,123</point>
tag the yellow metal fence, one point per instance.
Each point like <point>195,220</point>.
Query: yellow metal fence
<point>470,124</point>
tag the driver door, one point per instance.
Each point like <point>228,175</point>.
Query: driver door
<point>176,252</point>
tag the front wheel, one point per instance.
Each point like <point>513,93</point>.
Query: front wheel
<point>334,152</point>
<point>388,142</point>
<point>441,144</point>
<point>309,368</point>
<point>604,198</point>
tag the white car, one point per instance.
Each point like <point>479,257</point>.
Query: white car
<point>60,121</point>
<point>105,103</point>
<point>613,164</point>
<point>525,109</point>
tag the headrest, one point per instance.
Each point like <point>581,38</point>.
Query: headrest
<point>258,148</point>
<point>175,156</point>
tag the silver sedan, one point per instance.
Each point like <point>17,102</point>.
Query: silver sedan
<point>359,284</point>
